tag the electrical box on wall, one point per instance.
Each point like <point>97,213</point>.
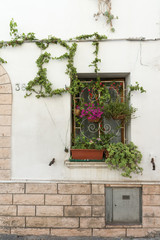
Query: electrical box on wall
<point>123,205</point>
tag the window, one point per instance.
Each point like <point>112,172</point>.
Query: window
<point>88,95</point>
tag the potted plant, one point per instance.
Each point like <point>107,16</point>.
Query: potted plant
<point>77,111</point>
<point>119,110</point>
<point>92,112</point>
<point>92,149</point>
<point>125,157</point>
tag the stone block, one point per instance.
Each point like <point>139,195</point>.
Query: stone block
<point>5,131</point>
<point>151,189</point>
<point>5,142</point>
<point>5,120</point>
<point>6,210</point>
<point>41,188</point>
<point>151,222</point>
<point>4,79</point>
<point>92,222</point>
<point>5,88</point>
<point>109,232</point>
<point>98,189</point>
<point>5,199</point>
<point>74,188</point>
<point>2,71</point>
<point>4,164</point>
<point>52,222</point>
<point>98,211</point>
<point>5,109</point>
<point>49,211</point>
<point>28,199</point>
<point>144,232</point>
<point>5,174</point>
<point>136,232</point>
<point>26,210</point>
<point>5,230</point>
<point>11,187</point>
<point>71,232</point>
<point>5,98</point>
<point>29,231</point>
<point>12,221</point>
<point>88,200</point>
<point>75,211</point>
<point>5,152</point>
<point>151,200</point>
<point>58,200</point>
<point>151,211</point>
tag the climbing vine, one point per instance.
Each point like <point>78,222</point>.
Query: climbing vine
<point>41,85</point>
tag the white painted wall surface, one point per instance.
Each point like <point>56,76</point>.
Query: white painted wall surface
<point>41,127</point>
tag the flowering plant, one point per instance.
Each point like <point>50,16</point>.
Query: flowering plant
<point>82,142</point>
<point>92,112</point>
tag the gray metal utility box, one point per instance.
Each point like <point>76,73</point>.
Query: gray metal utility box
<point>123,205</point>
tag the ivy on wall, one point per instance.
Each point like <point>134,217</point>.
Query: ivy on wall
<point>41,85</point>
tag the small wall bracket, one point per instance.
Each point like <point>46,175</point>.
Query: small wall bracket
<point>153,164</point>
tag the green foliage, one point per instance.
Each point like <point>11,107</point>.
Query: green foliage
<point>95,36</point>
<point>94,63</point>
<point>2,60</point>
<point>107,14</point>
<point>42,45</point>
<point>41,78</point>
<point>109,18</point>
<point>133,88</point>
<point>13,28</point>
<point>2,44</point>
<point>125,157</point>
<point>18,39</point>
<point>82,142</point>
<point>115,109</point>
<point>40,85</point>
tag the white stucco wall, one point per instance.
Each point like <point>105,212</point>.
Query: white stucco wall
<point>41,127</point>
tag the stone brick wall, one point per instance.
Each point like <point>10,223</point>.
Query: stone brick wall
<point>62,209</point>
<point>5,124</point>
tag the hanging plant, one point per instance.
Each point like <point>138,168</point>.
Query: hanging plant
<point>104,9</point>
<point>124,157</point>
<point>92,112</point>
<point>119,110</point>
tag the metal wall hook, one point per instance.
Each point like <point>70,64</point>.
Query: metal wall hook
<point>153,164</point>
<point>52,162</point>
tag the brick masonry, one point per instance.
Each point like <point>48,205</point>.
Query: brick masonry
<point>58,209</point>
<point>48,209</point>
<point>5,124</point>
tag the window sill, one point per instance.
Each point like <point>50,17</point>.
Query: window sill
<point>85,164</point>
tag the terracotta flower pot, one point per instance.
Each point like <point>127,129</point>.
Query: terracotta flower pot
<point>92,154</point>
<point>94,120</point>
<point>119,117</point>
<point>77,112</point>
